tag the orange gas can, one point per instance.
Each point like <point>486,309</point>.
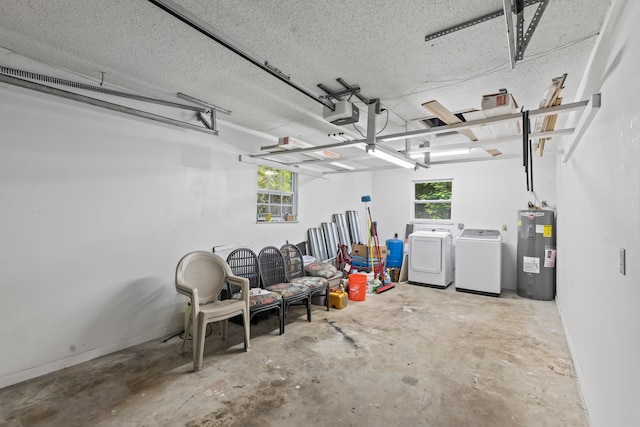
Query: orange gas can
<point>338,299</point>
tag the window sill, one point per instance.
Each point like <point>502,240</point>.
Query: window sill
<point>433,221</point>
<point>277,222</point>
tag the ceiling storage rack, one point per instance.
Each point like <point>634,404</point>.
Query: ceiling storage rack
<point>357,152</point>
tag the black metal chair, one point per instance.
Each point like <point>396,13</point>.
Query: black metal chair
<point>244,263</point>
<point>274,279</point>
<point>294,270</point>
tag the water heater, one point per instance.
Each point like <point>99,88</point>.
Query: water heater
<point>536,254</point>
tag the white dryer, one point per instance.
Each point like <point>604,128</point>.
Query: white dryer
<point>479,261</point>
<point>430,258</point>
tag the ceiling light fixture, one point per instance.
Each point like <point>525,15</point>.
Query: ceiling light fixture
<point>398,159</point>
<point>342,165</point>
<point>455,153</point>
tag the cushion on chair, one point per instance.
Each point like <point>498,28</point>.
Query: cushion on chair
<point>287,289</point>
<point>262,299</point>
<point>320,269</point>
<point>312,283</point>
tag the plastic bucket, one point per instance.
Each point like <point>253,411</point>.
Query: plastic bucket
<point>370,277</point>
<point>357,287</point>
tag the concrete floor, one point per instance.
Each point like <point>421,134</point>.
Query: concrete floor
<point>411,356</point>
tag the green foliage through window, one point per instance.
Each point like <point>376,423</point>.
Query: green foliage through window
<point>276,194</point>
<point>433,200</point>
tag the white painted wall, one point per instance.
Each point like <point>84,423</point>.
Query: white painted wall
<point>486,195</point>
<point>98,207</point>
<point>599,213</point>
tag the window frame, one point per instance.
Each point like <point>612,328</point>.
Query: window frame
<point>271,193</point>
<point>415,202</point>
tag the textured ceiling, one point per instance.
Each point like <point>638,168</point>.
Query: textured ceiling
<point>376,44</point>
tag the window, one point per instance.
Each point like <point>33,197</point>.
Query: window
<point>432,200</point>
<point>277,200</point>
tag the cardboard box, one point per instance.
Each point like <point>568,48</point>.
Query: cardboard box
<point>359,250</point>
<point>498,104</point>
<point>383,252</point>
<point>363,251</point>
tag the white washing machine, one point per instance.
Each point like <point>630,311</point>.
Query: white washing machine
<point>479,261</point>
<point>431,258</point>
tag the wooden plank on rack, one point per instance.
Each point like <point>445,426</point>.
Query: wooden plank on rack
<point>549,99</point>
<point>447,116</point>
<point>441,112</point>
<point>549,124</point>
